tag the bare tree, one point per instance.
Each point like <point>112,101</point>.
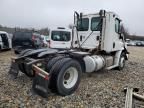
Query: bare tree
<point>70,26</point>
<point>125,31</point>
<point>44,31</point>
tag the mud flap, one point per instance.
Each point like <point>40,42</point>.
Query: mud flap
<point>14,69</point>
<point>41,82</point>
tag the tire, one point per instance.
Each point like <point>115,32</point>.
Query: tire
<point>54,71</point>
<point>121,62</point>
<point>31,74</point>
<point>62,84</point>
<point>16,52</point>
<point>52,62</point>
<point>22,69</point>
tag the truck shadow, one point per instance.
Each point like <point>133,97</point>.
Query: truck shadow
<point>4,50</point>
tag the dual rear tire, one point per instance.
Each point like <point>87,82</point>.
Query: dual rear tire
<point>65,76</point>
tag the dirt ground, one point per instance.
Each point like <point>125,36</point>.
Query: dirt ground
<point>102,89</point>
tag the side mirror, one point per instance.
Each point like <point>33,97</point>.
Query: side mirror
<point>120,30</point>
<point>81,18</point>
<point>81,15</point>
<point>77,15</point>
<point>102,13</point>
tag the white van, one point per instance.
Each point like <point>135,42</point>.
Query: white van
<point>5,40</point>
<point>60,38</point>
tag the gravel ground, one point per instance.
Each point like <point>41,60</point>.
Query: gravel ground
<point>102,89</point>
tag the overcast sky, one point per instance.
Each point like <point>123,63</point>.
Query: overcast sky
<point>47,13</point>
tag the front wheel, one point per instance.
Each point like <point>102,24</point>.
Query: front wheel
<point>67,77</point>
<point>121,62</point>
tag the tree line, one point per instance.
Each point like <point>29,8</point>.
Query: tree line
<point>43,31</point>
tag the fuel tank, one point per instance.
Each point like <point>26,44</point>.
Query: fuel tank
<point>94,63</point>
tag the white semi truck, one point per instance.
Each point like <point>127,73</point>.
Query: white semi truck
<point>97,43</point>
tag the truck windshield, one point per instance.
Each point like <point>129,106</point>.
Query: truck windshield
<point>60,36</point>
<point>83,24</point>
<point>96,24</point>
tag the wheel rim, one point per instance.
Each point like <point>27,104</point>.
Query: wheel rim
<point>70,77</point>
<point>122,62</point>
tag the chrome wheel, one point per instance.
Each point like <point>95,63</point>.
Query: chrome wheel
<point>70,77</point>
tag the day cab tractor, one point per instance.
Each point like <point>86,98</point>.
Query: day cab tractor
<point>97,43</point>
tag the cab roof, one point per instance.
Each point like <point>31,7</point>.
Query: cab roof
<point>97,14</point>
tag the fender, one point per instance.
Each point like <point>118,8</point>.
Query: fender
<point>126,53</point>
<point>33,52</point>
<point>117,56</point>
<point>47,52</point>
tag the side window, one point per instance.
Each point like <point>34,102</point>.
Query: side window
<point>96,23</point>
<point>83,24</point>
<point>117,25</point>
<point>66,36</point>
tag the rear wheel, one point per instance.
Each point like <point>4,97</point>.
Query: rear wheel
<point>66,76</point>
<point>31,73</point>
<point>70,77</point>
<point>52,62</point>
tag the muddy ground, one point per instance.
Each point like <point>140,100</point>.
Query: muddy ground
<point>102,89</point>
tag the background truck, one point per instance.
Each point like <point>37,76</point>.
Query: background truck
<point>5,41</point>
<point>97,43</point>
<point>26,40</point>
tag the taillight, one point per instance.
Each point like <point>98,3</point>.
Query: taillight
<point>33,38</point>
<point>49,43</point>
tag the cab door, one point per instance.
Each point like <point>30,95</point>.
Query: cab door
<point>117,41</point>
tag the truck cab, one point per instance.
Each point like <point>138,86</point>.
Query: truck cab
<point>101,31</point>
<point>60,38</point>
<point>26,40</point>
